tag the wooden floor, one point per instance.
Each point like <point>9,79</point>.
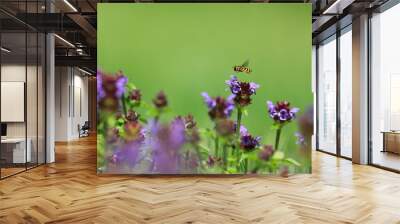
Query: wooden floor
<point>69,191</point>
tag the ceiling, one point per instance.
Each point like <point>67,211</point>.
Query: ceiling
<point>75,21</point>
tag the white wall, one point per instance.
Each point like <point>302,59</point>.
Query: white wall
<point>71,102</point>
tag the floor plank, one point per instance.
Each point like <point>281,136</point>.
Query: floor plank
<point>69,191</point>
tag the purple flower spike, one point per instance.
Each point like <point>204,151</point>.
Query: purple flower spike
<point>233,84</point>
<point>254,87</point>
<point>218,107</point>
<point>127,154</point>
<point>281,111</point>
<point>128,150</point>
<point>248,142</point>
<point>120,84</point>
<point>161,100</point>
<point>110,89</point>
<point>242,90</point>
<point>243,130</point>
<point>100,91</point>
<point>210,102</point>
<point>167,140</point>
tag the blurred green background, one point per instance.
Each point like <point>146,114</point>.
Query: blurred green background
<point>185,49</point>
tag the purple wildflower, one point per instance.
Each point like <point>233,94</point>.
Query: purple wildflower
<point>234,84</point>
<point>190,123</point>
<point>132,116</point>
<point>192,132</point>
<point>100,92</point>
<point>167,140</point>
<point>266,152</point>
<point>161,100</point>
<point>247,141</point>
<point>300,139</point>
<point>242,90</point>
<point>219,107</point>
<point>243,130</point>
<point>225,127</point>
<point>135,95</point>
<point>133,131</point>
<point>128,150</point>
<point>110,89</point>
<point>281,111</point>
<point>126,154</point>
<point>210,102</point>
<point>120,84</point>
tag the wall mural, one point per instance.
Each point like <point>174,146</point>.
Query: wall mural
<point>204,89</point>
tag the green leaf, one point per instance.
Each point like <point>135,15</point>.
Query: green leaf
<point>131,86</point>
<point>292,161</point>
<point>243,157</point>
<point>204,148</point>
<point>232,170</point>
<point>278,155</point>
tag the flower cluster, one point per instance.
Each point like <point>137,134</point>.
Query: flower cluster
<point>136,142</point>
<point>281,112</point>
<point>242,90</point>
<point>110,89</point>
<point>166,142</point>
<point>192,132</point>
<point>247,141</point>
<point>127,151</point>
<point>219,107</point>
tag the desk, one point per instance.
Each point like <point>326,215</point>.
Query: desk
<point>391,141</point>
<point>16,147</point>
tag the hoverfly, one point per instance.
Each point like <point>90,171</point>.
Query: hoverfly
<point>243,68</point>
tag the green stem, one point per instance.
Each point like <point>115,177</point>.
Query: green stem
<point>239,120</point>
<point>124,105</point>
<point>225,156</point>
<point>238,124</point>
<point>278,135</point>
<point>246,165</point>
<point>198,155</point>
<point>216,146</point>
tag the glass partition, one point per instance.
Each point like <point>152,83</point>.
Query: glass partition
<point>41,96</point>
<point>346,93</point>
<point>31,97</point>
<point>14,153</point>
<point>22,78</point>
<point>327,95</point>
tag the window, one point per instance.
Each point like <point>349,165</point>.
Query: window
<point>327,96</point>
<point>346,93</point>
<point>385,89</point>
